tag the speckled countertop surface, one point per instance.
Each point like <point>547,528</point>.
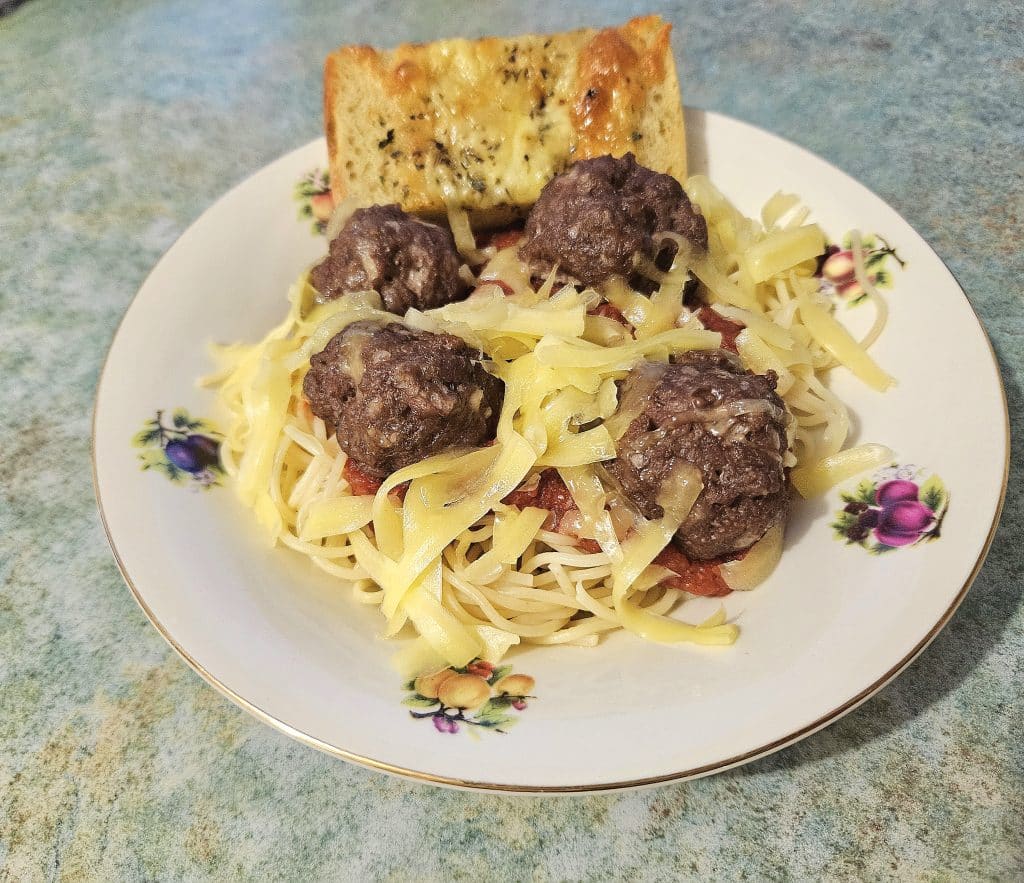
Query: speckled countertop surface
<point>119,124</point>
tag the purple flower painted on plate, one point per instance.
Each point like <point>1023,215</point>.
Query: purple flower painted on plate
<point>892,510</point>
<point>444,724</point>
<point>477,695</point>
<point>182,447</point>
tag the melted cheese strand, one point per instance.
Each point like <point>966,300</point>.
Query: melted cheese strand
<point>817,478</point>
<point>837,341</point>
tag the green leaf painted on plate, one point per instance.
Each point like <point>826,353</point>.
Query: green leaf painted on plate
<point>417,701</point>
<point>146,437</point>
<point>842,525</point>
<point>499,673</point>
<point>934,495</point>
<point>152,458</point>
<point>492,714</point>
<point>865,493</point>
<point>881,549</point>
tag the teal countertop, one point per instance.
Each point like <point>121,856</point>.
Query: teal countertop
<point>119,124</point>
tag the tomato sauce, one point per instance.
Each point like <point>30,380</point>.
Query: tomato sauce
<point>364,485</point>
<point>726,327</point>
<point>697,578</point>
<point>506,238</point>
<point>502,238</point>
<point>610,311</point>
<point>507,289</point>
<point>548,492</point>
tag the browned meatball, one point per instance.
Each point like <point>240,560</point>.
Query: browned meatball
<point>706,410</point>
<point>394,396</point>
<point>409,262</point>
<point>599,217</point>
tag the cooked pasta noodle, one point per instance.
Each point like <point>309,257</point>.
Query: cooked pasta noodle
<point>452,563</point>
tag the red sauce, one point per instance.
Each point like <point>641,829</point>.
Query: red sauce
<point>362,484</point>
<point>504,286</point>
<point>726,327</point>
<point>698,578</point>
<point>501,238</point>
<point>548,492</point>
<point>506,238</point>
<point>609,311</point>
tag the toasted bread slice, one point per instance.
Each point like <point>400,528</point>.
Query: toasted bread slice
<point>484,124</point>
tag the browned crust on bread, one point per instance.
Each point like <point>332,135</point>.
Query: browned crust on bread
<point>614,73</point>
<point>483,124</point>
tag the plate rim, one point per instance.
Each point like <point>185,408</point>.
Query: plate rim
<point>471,784</point>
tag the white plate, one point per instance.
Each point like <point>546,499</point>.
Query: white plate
<point>286,642</point>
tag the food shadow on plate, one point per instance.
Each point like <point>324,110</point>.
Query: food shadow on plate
<point>807,516</point>
<point>696,141</point>
<point>966,642</point>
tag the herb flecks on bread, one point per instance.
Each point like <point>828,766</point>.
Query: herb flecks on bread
<point>484,124</point>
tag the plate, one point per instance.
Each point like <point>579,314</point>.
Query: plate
<point>843,613</point>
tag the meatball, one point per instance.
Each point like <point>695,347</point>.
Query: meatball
<point>395,396</point>
<point>409,262</point>
<point>599,217</point>
<point>706,410</point>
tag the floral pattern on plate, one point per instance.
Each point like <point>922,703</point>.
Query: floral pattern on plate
<point>183,448</point>
<point>313,194</point>
<point>477,695</point>
<point>895,508</point>
<point>835,268</point>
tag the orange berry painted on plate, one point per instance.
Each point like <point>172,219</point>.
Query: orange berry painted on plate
<point>322,206</point>
<point>428,685</point>
<point>515,685</point>
<point>464,691</point>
